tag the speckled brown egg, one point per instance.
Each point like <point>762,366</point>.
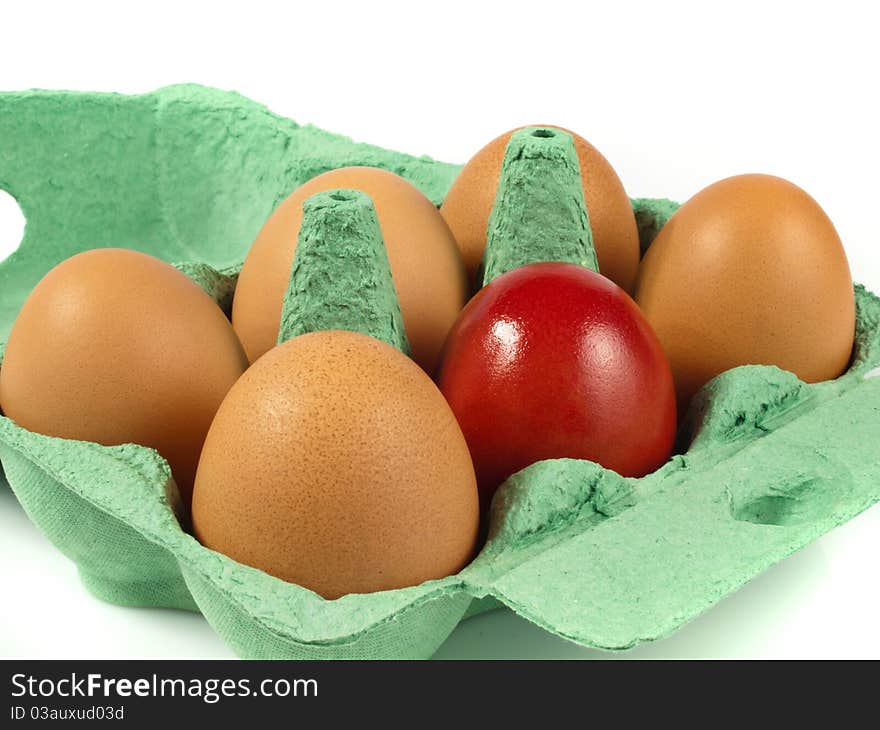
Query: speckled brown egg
<point>470,199</point>
<point>425,263</point>
<point>115,346</point>
<point>335,463</point>
<point>749,271</point>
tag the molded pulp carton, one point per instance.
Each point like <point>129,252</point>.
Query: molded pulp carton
<point>767,463</point>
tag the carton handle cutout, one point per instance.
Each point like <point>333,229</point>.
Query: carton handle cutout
<point>12,225</point>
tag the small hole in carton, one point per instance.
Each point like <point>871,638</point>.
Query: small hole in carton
<point>342,196</point>
<point>11,225</point>
<point>544,133</point>
<point>875,373</point>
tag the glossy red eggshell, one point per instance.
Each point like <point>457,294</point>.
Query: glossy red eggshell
<point>553,360</point>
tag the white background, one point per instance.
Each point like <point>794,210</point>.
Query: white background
<point>676,96</point>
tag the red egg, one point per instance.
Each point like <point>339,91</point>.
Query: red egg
<point>552,360</point>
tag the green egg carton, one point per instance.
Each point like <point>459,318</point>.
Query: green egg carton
<point>767,464</point>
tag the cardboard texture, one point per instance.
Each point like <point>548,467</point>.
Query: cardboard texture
<point>766,464</point>
<point>340,236</point>
<point>539,212</point>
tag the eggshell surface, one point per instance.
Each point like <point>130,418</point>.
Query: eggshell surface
<point>749,271</point>
<point>335,463</point>
<point>115,346</point>
<point>470,199</point>
<point>551,361</point>
<point>426,266</point>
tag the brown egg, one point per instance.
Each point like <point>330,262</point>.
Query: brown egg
<point>114,346</point>
<point>335,463</point>
<point>425,264</point>
<point>615,235</point>
<point>749,271</point>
